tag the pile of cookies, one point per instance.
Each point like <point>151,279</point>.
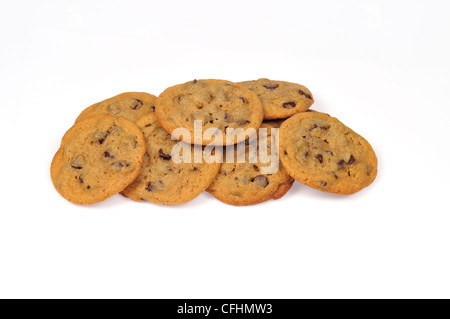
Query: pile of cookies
<point>125,145</point>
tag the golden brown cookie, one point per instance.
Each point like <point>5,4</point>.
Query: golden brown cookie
<point>322,153</point>
<point>131,105</point>
<point>242,184</point>
<point>98,158</point>
<point>280,99</point>
<point>218,104</point>
<point>161,180</point>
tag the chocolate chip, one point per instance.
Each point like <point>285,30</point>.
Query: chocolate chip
<point>368,169</point>
<point>114,108</point>
<point>261,181</point>
<point>195,81</point>
<point>330,152</point>
<point>88,187</point>
<point>289,105</point>
<point>119,165</point>
<point>271,86</point>
<point>256,168</point>
<point>323,183</point>
<point>80,178</point>
<point>150,188</point>
<point>153,108</point>
<point>137,105</point>
<point>313,127</point>
<point>228,117</point>
<point>100,137</point>
<point>324,128</point>
<point>179,98</point>
<point>195,169</point>
<point>351,160</point>
<point>335,176</point>
<point>242,122</point>
<point>108,155</point>
<point>305,94</point>
<point>148,125</point>
<point>320,158</point>
<point>131,142</point>
<point>164,156</point>
<point>341,162</point>
<point>306,154</point>
<point>77,162</point>
<point>243,99</point>
<point>117,130</point>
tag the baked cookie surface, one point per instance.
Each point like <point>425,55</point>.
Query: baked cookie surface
<point>98,158</point>
<point>161,180</point>
<point>321,152</point>
<point>130,105</point>
<point>280,99</point>
<point>218,104</point>
<point>243,184</point>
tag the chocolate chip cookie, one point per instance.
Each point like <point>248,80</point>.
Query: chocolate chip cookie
<point>131,105</point>
<point>321,152</point>
<point>161,179</point>
<point>246,183</point>
<point>280,99</point>
<point>218,104</point>
<point>98,158</point>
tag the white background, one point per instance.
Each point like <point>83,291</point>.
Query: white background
<point>381,67</point>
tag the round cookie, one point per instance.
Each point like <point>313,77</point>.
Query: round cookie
<point>280,99</point>
<point>218,104</point>
<point>161,180</point>
<point>322,153</point>
<point>98,158</point>
<point>242,184</point>
<point>131,105</point>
